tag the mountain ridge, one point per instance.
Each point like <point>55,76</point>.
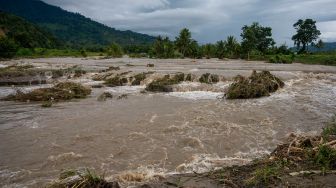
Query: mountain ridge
<point>73,28</point>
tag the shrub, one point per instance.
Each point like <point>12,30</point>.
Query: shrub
<point>188,77</point>
<point>281,59</point>
<point>46,104</point>
<point>150,65</point>
<point>326,157</point>
<point>257,85</point>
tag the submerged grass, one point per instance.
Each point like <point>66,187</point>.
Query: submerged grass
<point>60,92</point>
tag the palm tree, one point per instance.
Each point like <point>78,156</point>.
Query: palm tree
<point>183,42</point>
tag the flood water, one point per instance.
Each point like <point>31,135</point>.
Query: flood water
<point>191,129</point>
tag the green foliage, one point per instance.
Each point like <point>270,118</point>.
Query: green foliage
<point>114,50</point>
<point>325,157</point>
<point>330,128</point>
<point>209,51</point>
<point>183,42</point>
<point>281,59</point>
<point>163,48</point>
<point>221,49</point>
<point>306,33</point>
<point>25,34</point>
<point>256,37</point>
<point>232,46</point>
<point>8,48</point>
<point>257,85</point>
<point>264,176</point>
<point>74,29</point>
<point>324,59</point>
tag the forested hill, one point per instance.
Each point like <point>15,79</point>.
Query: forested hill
<point>75,29</point>
<point>25,34</point>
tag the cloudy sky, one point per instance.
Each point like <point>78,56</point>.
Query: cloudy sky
<point>208,20</point>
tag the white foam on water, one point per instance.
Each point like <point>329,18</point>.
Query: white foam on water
<point>5,91</point>
<point>3,66</point>
<point>197,95</point>
<point>126,89</point>
<point>206,162</point>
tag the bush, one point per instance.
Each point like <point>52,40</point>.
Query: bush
<point>150,65</point>
<point>209,78</point>
<point>257,85</point>
<point>280,59</point>
<point>114,51</point>
<point>116,81</point>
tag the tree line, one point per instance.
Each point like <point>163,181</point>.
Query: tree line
<point>255,40</point>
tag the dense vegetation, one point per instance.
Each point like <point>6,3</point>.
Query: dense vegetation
<point>76,30</point>
<point>85,37</point>
<point>25,34</point>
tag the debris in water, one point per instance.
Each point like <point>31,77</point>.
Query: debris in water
<point>257,85</point>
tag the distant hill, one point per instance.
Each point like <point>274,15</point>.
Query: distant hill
<point>25,34</point>
<point>75,29</point>
<point>327,47</point>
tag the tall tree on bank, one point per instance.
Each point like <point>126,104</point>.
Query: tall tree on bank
<point>306,33</point>
<point>221,49</point>
<point>256,37</point>
<point>183,42</point>
<point>232,46</point>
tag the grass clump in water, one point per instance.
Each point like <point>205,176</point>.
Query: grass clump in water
<point>165,84</point>
<point>87,179</point>
<point>47,104</point>
<point>60,92</point>
<point>150,65</point>
<point>116,81</point>
<point>104,96</point>
<point>208,78</point>
<point>137,79</point>
<point>257,85</point>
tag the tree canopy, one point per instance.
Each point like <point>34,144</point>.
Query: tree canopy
<point>256,37</point>
<point>306,33</point>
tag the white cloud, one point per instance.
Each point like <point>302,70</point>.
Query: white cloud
<point>209,20</point>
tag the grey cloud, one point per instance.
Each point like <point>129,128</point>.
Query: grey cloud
<point>209,20</point>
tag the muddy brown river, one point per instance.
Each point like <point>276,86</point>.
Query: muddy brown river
<point>190,129</point>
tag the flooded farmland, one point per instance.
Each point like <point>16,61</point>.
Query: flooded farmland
<point>192,129</point>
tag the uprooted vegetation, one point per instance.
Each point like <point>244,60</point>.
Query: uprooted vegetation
<point>165,84</point>
<point>257,85</point>
<point>21,75</point>
<point>209,78</point>
<point>60,92</point>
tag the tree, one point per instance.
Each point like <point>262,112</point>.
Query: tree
<point>232,46</point>
<point>256,37</point>
<point>8,48</point>
<point>208,50</point>
<point>183,42</point>
<point>306,33</point>
<point>221,49</point>
<point>114,50</point>
<point>319,44</point>
<point>163,48</point>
